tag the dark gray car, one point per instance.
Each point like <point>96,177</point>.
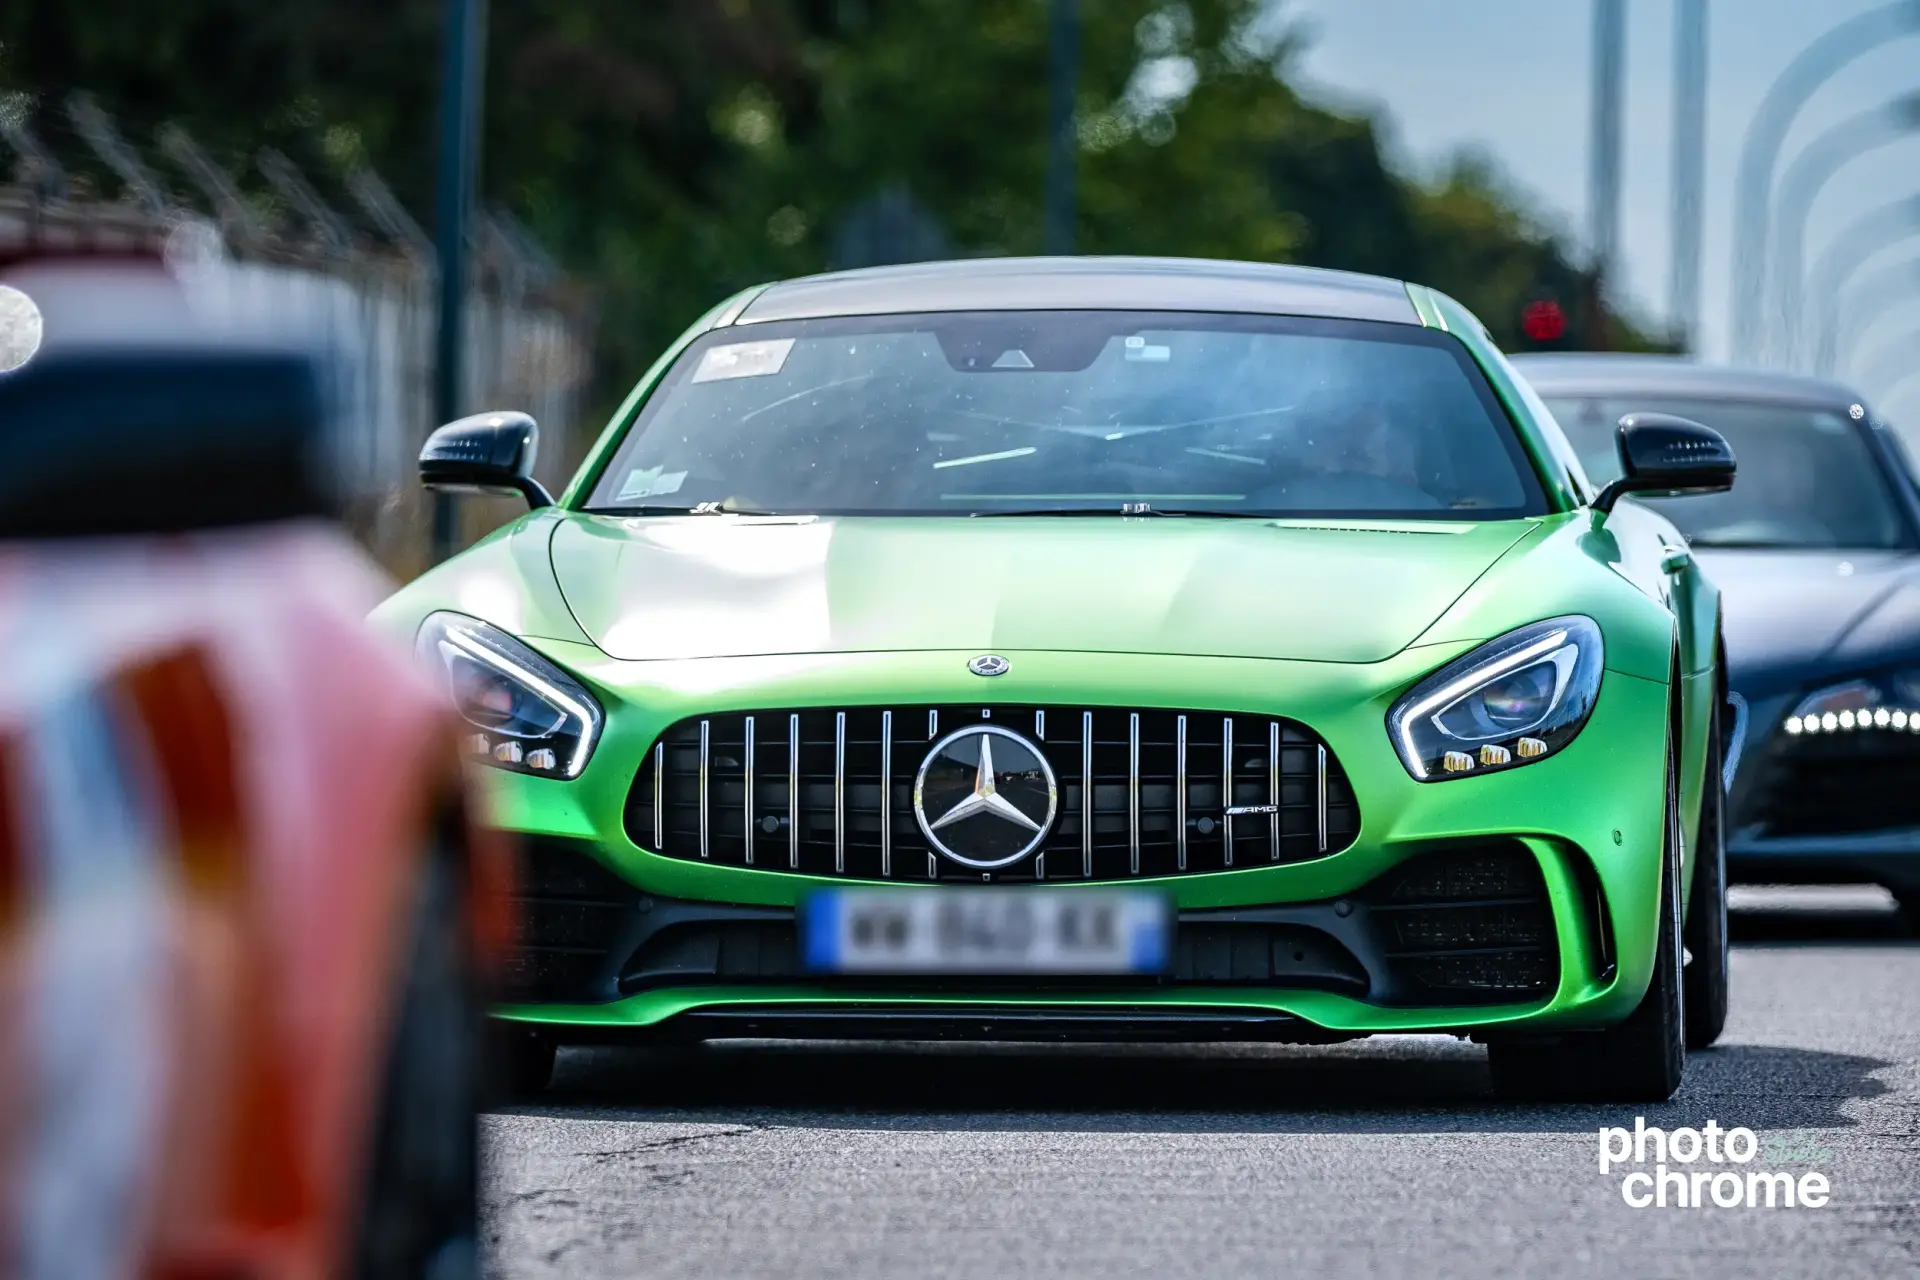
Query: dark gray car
<point>1817,553</point>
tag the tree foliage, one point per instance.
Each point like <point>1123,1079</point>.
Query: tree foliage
<point>669,151</point>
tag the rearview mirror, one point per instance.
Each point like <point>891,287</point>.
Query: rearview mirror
<point>485,453</point>
<point>1663,456</point>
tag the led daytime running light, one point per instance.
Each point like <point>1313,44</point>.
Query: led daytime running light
<point>1897,719</point>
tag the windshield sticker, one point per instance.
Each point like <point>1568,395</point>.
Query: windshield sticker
<point>743,360</point>
<point>1139,349</point>
<point>650,482</point>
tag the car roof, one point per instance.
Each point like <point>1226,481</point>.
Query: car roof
<point>1619,374</point>
<point>1085,283</point>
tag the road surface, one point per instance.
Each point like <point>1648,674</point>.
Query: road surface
<point>1383,1157</point>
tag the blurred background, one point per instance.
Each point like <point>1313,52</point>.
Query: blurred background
<point>518,203</point>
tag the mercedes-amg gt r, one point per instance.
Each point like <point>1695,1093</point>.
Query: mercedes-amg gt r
<point>1098,649</point>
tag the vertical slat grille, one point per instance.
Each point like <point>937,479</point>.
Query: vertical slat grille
<point>1139,793</point>
<point>1320,794</point>
<point>886,793</point>
<point>793,791</point>
<point>839,793</point>
<point>1086,795</point>
<point>1273,789</point>
<point>706,790</point>
<point>1180,793</point>
<point>746,795</point>
<point>1226,783</point>
<point>659,807</point>
<point>1133,793</point>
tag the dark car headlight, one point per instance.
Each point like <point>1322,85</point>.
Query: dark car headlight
<point>529,716</point>
<point>1889,701</point>
<point>1510,702</point>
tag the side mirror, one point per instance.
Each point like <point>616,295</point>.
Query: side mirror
<point>485,453</point>
<point>1664,457</point>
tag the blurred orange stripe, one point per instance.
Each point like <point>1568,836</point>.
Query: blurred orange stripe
<point>266,1182</point>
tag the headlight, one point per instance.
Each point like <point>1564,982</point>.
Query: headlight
<point>1882,702</point>
<point>1510,702</point>
<point>529,715</point>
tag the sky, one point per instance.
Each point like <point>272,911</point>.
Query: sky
<point>1511,78</point>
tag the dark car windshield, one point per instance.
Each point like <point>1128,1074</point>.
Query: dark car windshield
<point>1012,412</point>
<point>1807,475</point>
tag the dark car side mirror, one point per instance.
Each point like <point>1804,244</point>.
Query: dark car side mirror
<point>1663,456</point>
<point>485,453</point>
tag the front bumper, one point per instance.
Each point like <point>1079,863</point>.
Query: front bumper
<point>1890,858</point>
<point>1589,818</point>
<point>1827,809</point>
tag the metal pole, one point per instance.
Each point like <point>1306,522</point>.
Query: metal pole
<point>1812,67</point>
<point>460,85</point>
<point>1603,158</point>
<point>1063,51</point>
<point>1689,169</point>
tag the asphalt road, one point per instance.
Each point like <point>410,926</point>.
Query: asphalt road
<point>1384,1157</point>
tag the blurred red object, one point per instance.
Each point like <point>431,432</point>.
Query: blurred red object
<point>244,922</point>
<point>1543,320</point>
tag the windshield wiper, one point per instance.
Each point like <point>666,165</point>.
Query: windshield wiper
<point>725,508</point>
<point>1129,509</point>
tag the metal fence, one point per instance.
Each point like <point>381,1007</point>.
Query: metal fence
<point>263,247</point>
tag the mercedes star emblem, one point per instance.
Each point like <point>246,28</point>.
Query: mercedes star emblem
<point>989,664</point>
<point>985,796</point>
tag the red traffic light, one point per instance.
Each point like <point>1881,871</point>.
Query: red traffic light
<point>1543,320</point>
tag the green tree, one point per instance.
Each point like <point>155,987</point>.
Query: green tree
<point>673,150</point>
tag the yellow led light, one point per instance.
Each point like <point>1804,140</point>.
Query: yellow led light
<point>1456,762</point>
<point>1528,748</point>
<point>507,753</point>
<point>1491,754</point>
<point>541,759</point>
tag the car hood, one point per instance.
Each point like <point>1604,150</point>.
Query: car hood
<point>1789,614</point>
<point>718,586</point>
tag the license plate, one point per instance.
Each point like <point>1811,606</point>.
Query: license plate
<point>986,931</point>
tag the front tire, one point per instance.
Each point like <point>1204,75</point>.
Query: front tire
<point>522,1058</point>
<point>419,1217</point>
<point>1639,1060</point>
<point>1706,928</point>
<point>1908,898</point>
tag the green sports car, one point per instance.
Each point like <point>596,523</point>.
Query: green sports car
<point>1098,649</point>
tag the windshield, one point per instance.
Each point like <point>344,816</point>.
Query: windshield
<point>1807,476</point>
<point>991,413</point>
